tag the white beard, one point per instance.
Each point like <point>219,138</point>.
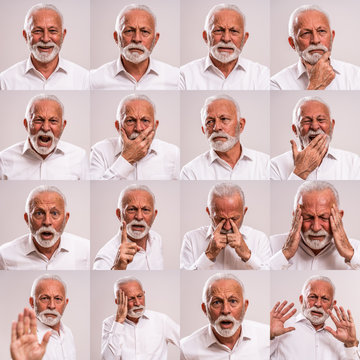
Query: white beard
<point>226,332</point>
<point>136,314</point>
<point>312,59</point>
<point>137,234</point>
<point>225,57</point>
<point>49,321</point>
<point>316,244</point>
<point>315,320</point>
<point>44,57</point>
<point>43,150</point>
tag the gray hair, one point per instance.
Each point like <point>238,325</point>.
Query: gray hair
<point>30,107</point>
<point>209,21</point>
<point>211,99</point>
<point>42,189</point>
<point>120,19</point>
<point>37,7</point>
<point>131,188</point>
<point>216,277</point>
<point>310,186</point>
<point>223,190</point>
<point>46,277</point>
<point>297,109</point>
<point>125,280</point>
<point>121,109</point>
<point>317,278</point>
<point>299,11</point>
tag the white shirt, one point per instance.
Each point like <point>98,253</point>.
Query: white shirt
<point>24,76</point>
<point>162,162</point>
<point>306,343</point>
<point>193,257</point>
<point>336,165</point>
<point>149,259</point>
<point>295,77</point>
<point>304,258</point>
<point>59,347</point>
<point>146,340</point>
<point>253,344</point>
<point>202,74</point>
<point>21,162</point>
<point>113,76</point>
<point>73,253</point>
<point>252,165</point>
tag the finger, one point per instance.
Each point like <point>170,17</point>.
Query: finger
<point>287,308</point>
<point>282,305</point>
<point>33,321</point>
<point>13,331</point>
<point>138,248</point>
<point>26,324</point>
<point>273,310</point>
<point>325,57</point>
<point>294,149</point>
<point>234,227</point>
<point>350,316</point>
<point>289,315</point>
<point>123,135</point>
<point>288,329</point>
<point>45,339</point>
<point>343,314</point>
<point>219,226</point>
<point>20,325</point>
<point>330,330</point>
<point>123,233</point>
<point>333,318</point>
<point>144,134</point>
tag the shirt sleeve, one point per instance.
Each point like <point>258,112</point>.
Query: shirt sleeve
<point>2,263</point>
<point>260,260</point>
<point>352,353</point>
<point>112,340</point>
<point>172,331</point>
<point>182,83</point>
<point>101,264</point>
<point>355,261</point>
<point>274,85</point>
<point>279,262</point>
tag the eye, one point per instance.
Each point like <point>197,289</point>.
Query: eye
<point>233,31</point>
<point>233,301</point>
<point>128,31</point>
<point>209,123</point>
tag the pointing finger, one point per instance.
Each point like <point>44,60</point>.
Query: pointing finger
<point>234,227</point>
<point>123,233</point>
<point>219,226</point>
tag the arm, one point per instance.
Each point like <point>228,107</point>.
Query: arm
<point>321,74</point>
<point>172,331</point>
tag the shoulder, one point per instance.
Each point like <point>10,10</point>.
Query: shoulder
<point>252,65</point>
<point>197,233</point>
<point>280,80</point>
<point>194,340</point>
<point>193,65</point>
<point>103,69</point>
<point>199,160</point>
<point>14,68</point>
<point>75,240</point>
<point>70,148</point>
<point>106,144</point>
<point>252,233</point>
<point>13,149</point>
<point>258,155</point>
<point>155,236</point>
<point>345,154</point>
<point>283,158</point>
<point>165,66</point>
<point>14,245</point>
<point>346,66</point>
<point>165,146</point>
<point>75,67</point>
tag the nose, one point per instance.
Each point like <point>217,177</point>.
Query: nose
<point>137,302</point>
<point>139,127</point>
<point>318,302</point>
<point>47,220</point>
<point>139,215</point>
<point>217,125</point>
<point>51,304</point>
<point>226,308</point>
<point>137,36</point>
<point>227,225</point>
<point>315,38</point>
<point>45,36</point>
<point>45,126</point>
<point>316,224</point>
<point>226,36</point>
<point>315,125</point>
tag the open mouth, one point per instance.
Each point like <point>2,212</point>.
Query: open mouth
<point>43,139</point>
<point>45,48</point>
<point>138,227</point>
<point>226,324</point>
<point>317,313</point>
<point>314,237</point>
<point>47,235</point>
<point>226,49</point>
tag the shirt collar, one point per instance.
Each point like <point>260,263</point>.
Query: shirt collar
<point>42,329</point>
<point>245,155</point>
<point>240,64</point>
<point>329,247</point>
<point>61,66</point>
<point>65,244</point>
<point>145,316</point>
<point>27,149</point>
<point>301,70</point>
<point>300,318</point>
<point>153,67</point>
<point>210,338</point>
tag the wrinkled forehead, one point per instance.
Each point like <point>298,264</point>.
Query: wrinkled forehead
<point>138,18</point>
<point>50,286</point>
<point>47,199</point>
<point>310,19</point>
<point>46,107</point>
<point>131,288</point>
<point>225,288</point>
<point>318,199</point>
<point>46,17</point>
<point>314,108</point>
<point>138,197</point>
<point>225,204</point>
<point>320,288</point>
<point>139,107</point>
<point>228,17</point>
<point>221,106</point>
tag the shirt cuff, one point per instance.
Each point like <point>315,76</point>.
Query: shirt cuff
<point>253,262</point>
<point>122,168</point>
<point>279,262</point>
<point>355,260</point>
<point>352,352</point>
<point>203,262</point>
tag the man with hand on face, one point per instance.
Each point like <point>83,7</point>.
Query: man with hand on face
<point>136,36</point>
<point>135,247</point>
<point>223,68</point>
<point>226,243</point>
<point>311,36</point>
<point>315,160</point>
<point>44,34</point>
<point>228,335</point>
<point>317,238</point>
<point>47,247</point>
<point>43,156</point>
<point>306,336</point>
<point>153,330</point>
<point>135,154</point>
<point>227,159</point>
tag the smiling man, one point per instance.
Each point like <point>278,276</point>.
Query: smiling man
<point>44,34</point>
<point>135,247</point>
<point>311,36</point>
<point>223,68</point>
<point>227,159</point>
<point>306,336</point>
<point>136,36</point>
<point>315,159</point>
<point>47,247</point>
<point>228,335</point>
<point>317,238</point>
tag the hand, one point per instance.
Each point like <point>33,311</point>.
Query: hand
<point>321,74</point>
<point>236,241</point>
<point>217,242</point>
<point>292,242</point>
<point>122,309</point>
<point>310,158</point>
<point>345,327</point>
<point>126,251</point>
<point>341,241</point>
<point>278,316</point>
<point>135,150</point>
<point>24,342</point>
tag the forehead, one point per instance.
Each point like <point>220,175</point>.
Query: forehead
<point>50,286</point>
<point>131,288</point>
<point>229,204</point>
<point>309,19</point>
<point>138,17</point>
<point>228,17</point>
<point>47,199</point>
<point>226,288</point>
<point>46,17</point>
<point>141,107</point>
<point>221,106</point>
<point>47,107</point>
<point>320,287</point>
<point>314,108</point>
<point>136,197</point>
<point>318,199</point>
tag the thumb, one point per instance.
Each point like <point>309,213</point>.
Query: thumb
<point>294,149</point>
<point>45,339</point>
<point>138,248</point>
<point>123,233</point>
<point>325,57</point>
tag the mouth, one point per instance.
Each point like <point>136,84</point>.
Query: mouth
<point>226,324</point>
<point>45,48</point>
<point>317,313</point>
<point>138,227</point>
<point>219,138</point>
<point>226,49</point>
<point>44,140</point>
<point>47,235</point>
<point>314,237</point>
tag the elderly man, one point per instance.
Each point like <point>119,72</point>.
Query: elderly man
<point>44,34</point>
<point>317,238</point>
<point>153,330</point>
<point>315,160</point>
<point>226,243</point>
<point>135,154</point>
<point>311,36</point>
<point>228,335</point>
<point>135,246</point>
<point>306,336</point>
<point>223,68</point>
<point>47,247</point>
<point>136,36</point>
<point>43,156</point>
<point>227,159</point>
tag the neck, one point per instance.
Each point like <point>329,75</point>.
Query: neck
<point>225,68</point>
<point>231,156</point>
<point>134,320</point>
<point>136,70</point>
<point>46,69</point>
<point>48,252</point>
<point>228,341</point>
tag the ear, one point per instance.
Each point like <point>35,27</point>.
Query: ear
<point>117,125</point>
<point>116,302</point>
<point>301,299</point>
<point>25,36</point>
<point>208,211</point>
<point>334,303</point>
<point>295,130</point>
<point>156,124</point>
<point>203,307</point>
<point>66,302</point>
<point>202,129</point>
<point>118,214</point>
<point>116,38</point>
<point>246,304</point>
<point>64,34</point>
<point>333,34</point>
<point>64,123</point>
<point>341,213</point>
<point>156,38</point>
<point>242,123</point>
<point>333,123</point>
<point>67,217</point>
<point>245,210</point>
<point>31,302</point>
<point>205,37</point>
<point>26,218</point>
<point>155,213</point>
<point>291,42</point>
<point>26,125</point>
<point>246,36</point>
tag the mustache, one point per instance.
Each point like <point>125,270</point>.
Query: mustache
<point>219,134</point>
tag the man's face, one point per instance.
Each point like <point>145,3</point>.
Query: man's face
<point>226,208</point>
<point>315,211</point>
<point>221,125</point>
<point>45,126</point>
<point>314,120</point>
<point>46,35</point>
<point>50,301</point>
<point>226,307</point>
<point>138,213</point>
<point>136,299</point>
<point>318,298</point>
<point>313,36</point>
<point>137,36</point>
<point>227,36</point>
<point>47,218</point>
